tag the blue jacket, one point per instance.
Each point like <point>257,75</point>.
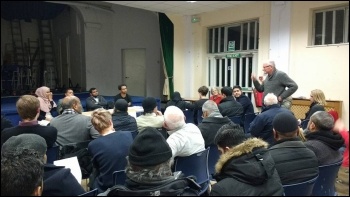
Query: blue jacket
<point>122,121</point>
<point>261,127</point>
<point>59,181</point>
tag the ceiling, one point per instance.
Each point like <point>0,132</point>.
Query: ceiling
<point>181,7</point>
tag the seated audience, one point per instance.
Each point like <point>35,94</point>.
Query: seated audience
<point>58,180</point>
<point>243,100</point>
<point>71,125</point>
<point>21,173</point>
<point>177,101</point>
<point>322,140</point>
<point>47,104</point>
<point>151,116</point>
<point>212,122</point>
<point>293,161</point>
<point>123,94</point>
<point>184,139</point>
<point>108,151</point>
<point>69,92</point>
<point>5,123</point>
<point>318,101</point>
<point>245,167</point>
<point>261,127</point>
<point>202,92</point>
<point>95,100</point>
<point>148,168</point>
<point>28,108</point>
<point>216,95</point>
<point>122,121</point>
<point>228,105</point>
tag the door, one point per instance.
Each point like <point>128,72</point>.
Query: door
<point>134,63</point>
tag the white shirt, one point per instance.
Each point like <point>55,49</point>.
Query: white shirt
<point>186,141</point>
<point>149,120</point>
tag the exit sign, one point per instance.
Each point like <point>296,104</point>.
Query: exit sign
<point>233,55</point>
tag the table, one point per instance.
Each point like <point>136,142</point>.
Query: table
<point>132,111</point>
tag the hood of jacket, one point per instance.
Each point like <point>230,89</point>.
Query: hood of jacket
<point>176,97</point>
<point>249,162</point>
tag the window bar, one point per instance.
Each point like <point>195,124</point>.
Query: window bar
<point>248,35</point>
<point>219,39</point>
<point>323,27</point>
<point>225,39</point>
<point>213,41</point>
<point>220,73</point>
<point>255,34</point>
<point>241,45</point>
<point>209,74</point>
<point>246,72</point>
<point>333,27</point>
<point>346,25</point>
<point>233,65</point>
<point>213,71</point>
<point>226,71</point>
<point>240,71</point>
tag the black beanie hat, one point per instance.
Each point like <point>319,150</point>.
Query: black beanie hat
<point>148,104</point>
<point>121,105</point>
<point>285,122</point>
<point>149,148</point>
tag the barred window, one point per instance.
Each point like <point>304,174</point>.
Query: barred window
<point>331,26</point>
<point>241,36</point>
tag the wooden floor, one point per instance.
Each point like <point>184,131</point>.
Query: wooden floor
<point>342,183</point>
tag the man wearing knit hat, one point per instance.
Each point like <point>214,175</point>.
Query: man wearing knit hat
<point>151,116</point>
<point>58,181</point>
<point>295,163</point>
<point>148,166</point>
<point>122,121</point>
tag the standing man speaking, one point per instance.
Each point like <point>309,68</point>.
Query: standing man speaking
<point>276,82</point>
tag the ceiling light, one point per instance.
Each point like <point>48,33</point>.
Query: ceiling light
<point>191,1</point>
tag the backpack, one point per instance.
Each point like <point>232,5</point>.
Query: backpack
<point>180,187</point>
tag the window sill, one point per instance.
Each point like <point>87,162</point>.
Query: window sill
<point>327,45</point>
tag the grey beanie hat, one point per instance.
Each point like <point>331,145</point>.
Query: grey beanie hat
<point>25,141</point>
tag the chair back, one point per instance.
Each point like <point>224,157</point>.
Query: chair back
<point>196,165</point>
<point>189,116</point>
<point>199,116</point>
<point>90,193</point>
<point>164,132</point>
<point>300,189</point>
<point>213,158</point>
<point>304,123</point>
<point>52,154</point>
<point>325,183</point>
<point>248,118</point>
<point>236,119</point>
<point>119,177</point>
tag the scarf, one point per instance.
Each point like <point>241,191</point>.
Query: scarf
<point>331,139</point>
<point>45,104</point>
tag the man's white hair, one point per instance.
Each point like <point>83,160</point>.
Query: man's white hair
<point>270,99</point>
<point>209,106</point>
<point>174,117</point>
<point>270,62</point>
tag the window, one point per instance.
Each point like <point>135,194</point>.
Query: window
<point>330,26</point>
<point>233,37</point>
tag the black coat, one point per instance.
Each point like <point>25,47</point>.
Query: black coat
<point>210,126</point>
<point>122,121</point>
<point>247,170</point>
<point>230,107</point>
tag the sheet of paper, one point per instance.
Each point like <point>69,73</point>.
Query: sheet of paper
<point>43,122</point>
<point>73,164</point>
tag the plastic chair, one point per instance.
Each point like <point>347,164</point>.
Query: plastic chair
<point>189,116</point>
<point>196,165</point>
<point>304,123</point>
<point>248,118</point>
<point>119,177</point>
<point>199,116</point>
<point>300,189</point>
<point>324,185</point>
<point>213,158</point>
<point>90,193</point>
<point>52,154</point>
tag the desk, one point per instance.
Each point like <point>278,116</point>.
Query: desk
<point>131,111</point>
<point>301,106</point>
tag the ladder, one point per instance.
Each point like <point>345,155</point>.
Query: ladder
<point>19,54</point>
<point>47,52</point>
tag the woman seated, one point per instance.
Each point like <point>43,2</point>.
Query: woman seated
<point>318,101</point>
<point>216,95</point>
<point>47,105</point>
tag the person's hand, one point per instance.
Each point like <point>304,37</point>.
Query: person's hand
<point>50,96</point>
<point>159,113</point>
<point>253,77</point>
<point>280,99</point>
<point>129,103</point>
<point>299,121</point>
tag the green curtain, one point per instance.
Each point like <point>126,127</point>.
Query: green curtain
<point>167,41</point>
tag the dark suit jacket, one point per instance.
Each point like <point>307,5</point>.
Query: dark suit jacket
<point>92,105</point>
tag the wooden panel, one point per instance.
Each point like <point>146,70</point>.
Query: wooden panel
<point>301,106</point>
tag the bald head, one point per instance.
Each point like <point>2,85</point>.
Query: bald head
<point>71,102</point>
<point>174,118</point>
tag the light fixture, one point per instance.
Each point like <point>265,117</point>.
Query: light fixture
<point>191,1</point>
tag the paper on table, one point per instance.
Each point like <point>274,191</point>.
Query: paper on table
<point>73,164</point>
<point>132,113</point>
<point>43,122</point>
